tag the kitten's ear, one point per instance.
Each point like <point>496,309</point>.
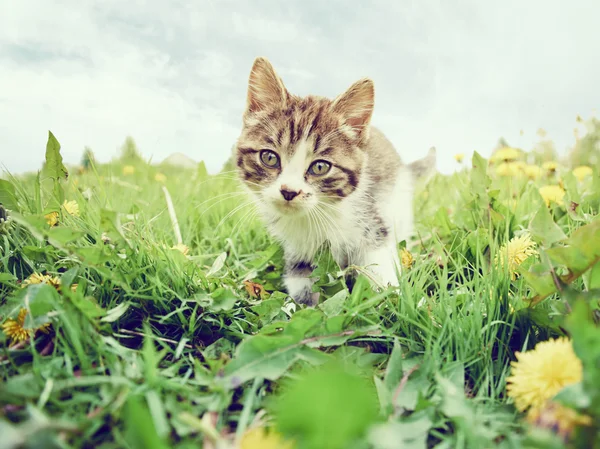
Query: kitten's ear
<point>424,168</point>
<point>356,105</point>
<point>265,88</point>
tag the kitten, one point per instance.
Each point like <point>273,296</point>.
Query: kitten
<point>320,174</point>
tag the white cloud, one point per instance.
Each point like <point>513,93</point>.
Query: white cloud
<point>173,75</point>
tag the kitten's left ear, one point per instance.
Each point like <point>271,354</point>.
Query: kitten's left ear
<point>356,105</point>
<point>424,168</point>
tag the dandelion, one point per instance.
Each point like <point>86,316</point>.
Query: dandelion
<point>259,438</point>
<point>459,157</point>
<point>552,194</point>
<point>582,172</point>
<point>16,330</point>
<point>507,169</point>
<point>52,218</point>
<point>550,166</point>
<point>71,207</point>
<point>514,253</point>
<point>128,170</point>
<point>538,375</point>
<point>159,177</point>
<point>406,258</point>
<point>533,172</point>
<point>506,154</point>
<point>558,417</point>
<point>181,248</point>
<point>37,278</point>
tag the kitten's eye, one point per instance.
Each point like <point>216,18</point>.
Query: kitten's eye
<point>269,158</point>
<point>319,168</point>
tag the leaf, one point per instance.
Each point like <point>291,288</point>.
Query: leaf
<point>217,264</point>
<point>140,430</point>
<point>8,197</point>
<point>393,370</point>
<point>94,255</point>
<point>327,407</point>
<point>334,305</point>
<point>593,279</point>
<point>410,433</point>
<point>54,168</point>
<point>115,313</point>
<point>39,300</point>
<point>580,252</point>
<point>268,357</point>
<point>544,228</point>
<point>63,235</point>
<point>480,181</point>
<point>585,335</point>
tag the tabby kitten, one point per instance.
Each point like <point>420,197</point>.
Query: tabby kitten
<point>320,174</point>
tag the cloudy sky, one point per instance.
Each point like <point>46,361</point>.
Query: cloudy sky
<point>455,75</point>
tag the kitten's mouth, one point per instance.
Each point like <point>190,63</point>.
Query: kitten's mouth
<point>289,207</point>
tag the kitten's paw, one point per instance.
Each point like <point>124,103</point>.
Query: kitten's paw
<point>306,296</point>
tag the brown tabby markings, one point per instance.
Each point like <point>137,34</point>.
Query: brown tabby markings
<point>280,130</point>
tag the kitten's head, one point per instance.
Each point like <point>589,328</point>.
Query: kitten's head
<point>295,153</point>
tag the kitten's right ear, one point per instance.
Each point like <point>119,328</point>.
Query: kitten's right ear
<point>265,88</point>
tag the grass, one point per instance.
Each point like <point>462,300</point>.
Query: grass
<point>156,348</point>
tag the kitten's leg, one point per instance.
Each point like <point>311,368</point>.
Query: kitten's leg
<point>384,263</point>
<point>298,282</point>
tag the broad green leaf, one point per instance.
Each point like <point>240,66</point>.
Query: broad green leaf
<point>63,235</point>
<point>8,197</point>
<point>217,264</point>
<point>544,228</point>
<point>328,404</point>
<point>585,335</point>
<point>268,357</point>
<point>140,431</point>
<point>409,433</point>
<point>94,255</point>
<point>480,181</point>
<point>39,300</point>
<point>53,167</point>
<point>393,370</point>
<point>334,305</point>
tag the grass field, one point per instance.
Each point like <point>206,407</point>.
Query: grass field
<point>130,324</point>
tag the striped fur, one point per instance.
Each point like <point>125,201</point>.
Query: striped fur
<point>322,175</point>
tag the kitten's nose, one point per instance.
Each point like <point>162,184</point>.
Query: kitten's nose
<point>289,195</point>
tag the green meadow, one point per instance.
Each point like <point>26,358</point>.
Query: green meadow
<point>142,306</point>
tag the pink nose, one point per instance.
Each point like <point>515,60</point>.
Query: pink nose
<point>289,195</point>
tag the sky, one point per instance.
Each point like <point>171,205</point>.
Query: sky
<point>173,75</point>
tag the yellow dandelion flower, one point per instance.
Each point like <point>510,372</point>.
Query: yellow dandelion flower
<point>507,169</point>
<point>557,417</point>
<point>15,330</point>
<point>514,253</point>
<point>550,166</point>
<point>52,218</point>
<point>459,157</point>
<point>71,207</point>
<point>552,194</point>
<point>159,177</point>
<point>582,172</point>
<point>506,154</point>
<point>128,170</point>
<point>37,278</point>
<point>533,172</point>
<point>538,375</point>
<point>259,438</point>
<point>181,248</point>
<point>406,258</point>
